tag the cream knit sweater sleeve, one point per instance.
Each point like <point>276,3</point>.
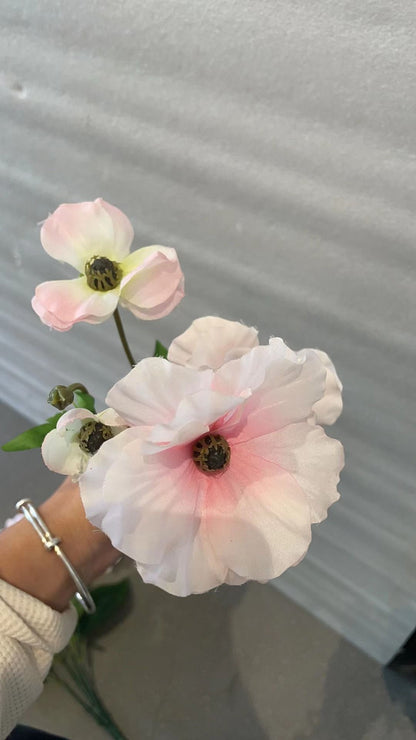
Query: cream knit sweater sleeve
<point>30,634</point>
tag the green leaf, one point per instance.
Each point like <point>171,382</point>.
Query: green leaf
<point>160,350</point>
<point>33,437</point>
<point>84,401</point>
<point>111,602</point>
<point>78,607</point>
<point>53,420</point>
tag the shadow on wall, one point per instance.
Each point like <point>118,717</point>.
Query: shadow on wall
<point>363,700</point>
<point>400,678</point>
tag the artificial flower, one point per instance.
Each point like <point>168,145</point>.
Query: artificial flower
<point>95,238</point>
<point>79,434</point>
<point>211,341</point>
<point>221,472</point>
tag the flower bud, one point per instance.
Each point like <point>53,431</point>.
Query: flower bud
<point>61,396</point>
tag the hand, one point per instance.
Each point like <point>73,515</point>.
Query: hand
<point>26,564</point>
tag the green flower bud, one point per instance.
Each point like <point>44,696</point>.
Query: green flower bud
<point>61,396</point>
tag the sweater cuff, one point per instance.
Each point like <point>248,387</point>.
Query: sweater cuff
<point>34,624</point>
<point>30,634</point>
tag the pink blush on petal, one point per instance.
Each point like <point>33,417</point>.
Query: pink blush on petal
<point>62,303</point>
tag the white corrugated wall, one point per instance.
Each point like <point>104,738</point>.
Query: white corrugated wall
<point>272,142</point>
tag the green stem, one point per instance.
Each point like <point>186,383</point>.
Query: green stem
<point>77,387</point>
<point>93,706</point>
<point>70,690</point>
<point>123,338</point>
<point>80,680</point>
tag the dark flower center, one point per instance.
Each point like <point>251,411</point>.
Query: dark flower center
<point>92,435</point>
<point>102,274</point>
<point>211,453</point>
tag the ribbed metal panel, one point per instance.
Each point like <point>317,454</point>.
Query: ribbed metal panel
<point>273,144</point>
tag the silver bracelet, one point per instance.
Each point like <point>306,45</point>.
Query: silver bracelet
<point>50,543</point>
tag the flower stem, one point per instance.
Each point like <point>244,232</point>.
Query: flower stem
<point>77,387</point>
<point>94,706</point>
<point>123,338</point>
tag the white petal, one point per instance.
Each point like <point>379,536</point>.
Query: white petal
<point>211,341</point>
<point>328,409</point>
<point>63,456</point>
<point>69,418</point>
<point>13,520</point>
<point>111,418</point>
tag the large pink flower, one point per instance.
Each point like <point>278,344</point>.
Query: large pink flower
<point>222,472</point>
<point>95,238</point>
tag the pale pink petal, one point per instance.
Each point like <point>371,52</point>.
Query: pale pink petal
<point>194,415</point>
<point>328,409</point>
<point>73,415</point>
<point>150,392</point>
<point>75,232</point>
<point>235,580</point>
<point>189,569</point>
<point>152,287</point>
<point>211,341</point>
<point>62,303</point>
<point>305,451</point>
<point>286,395</point>
<point>269,528</point>
<point>253,369</point>
<point>111,418</point>
<point>146,505</point>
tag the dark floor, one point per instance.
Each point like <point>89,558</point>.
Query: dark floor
<point>234,664</point>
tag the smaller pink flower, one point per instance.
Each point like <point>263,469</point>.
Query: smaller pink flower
<point>95,238</point>
<point>13,520</point>
<point>79,434</point>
